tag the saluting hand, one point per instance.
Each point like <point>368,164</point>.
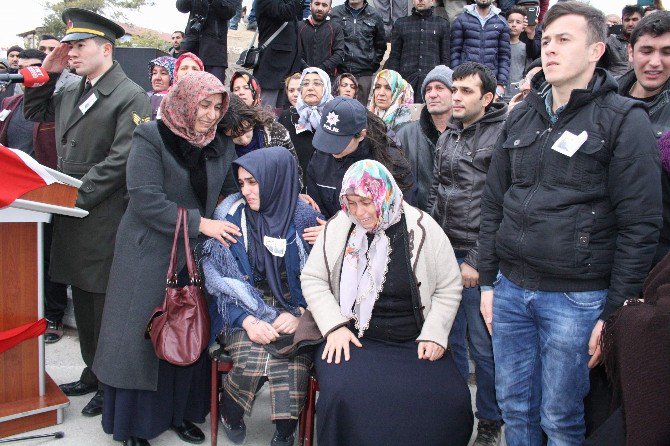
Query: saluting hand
<point>57,60</point>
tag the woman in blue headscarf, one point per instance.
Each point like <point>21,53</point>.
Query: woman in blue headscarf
<point>256,285</point>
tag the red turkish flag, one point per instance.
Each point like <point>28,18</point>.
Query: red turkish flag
<point>19,173</point>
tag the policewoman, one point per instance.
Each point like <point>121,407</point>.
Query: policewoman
<point>95,120</point>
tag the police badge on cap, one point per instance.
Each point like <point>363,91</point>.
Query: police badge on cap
<point>341,119</point>
<point>84,24</point>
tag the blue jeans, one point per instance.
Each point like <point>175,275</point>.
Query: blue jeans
<point>251,18</point>
<point>235,20</point>
<point>469,320</point>
<point>540,341</point>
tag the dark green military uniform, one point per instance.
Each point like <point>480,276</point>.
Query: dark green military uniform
<point>93,135</point>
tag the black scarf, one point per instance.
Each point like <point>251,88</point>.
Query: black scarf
<point>190,157</point>
<point>428,126</point>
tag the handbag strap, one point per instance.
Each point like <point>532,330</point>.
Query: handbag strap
<point>172,269</point>
<point>253,40</point>
<point>193,272</point>
<point>272,37</point>
<point>194,275</point>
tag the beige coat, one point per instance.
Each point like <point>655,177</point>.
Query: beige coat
<point>433,262</point>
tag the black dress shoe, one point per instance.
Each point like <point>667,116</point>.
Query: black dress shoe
<point>78,388</point>
<point>94,407</point>
<point>278,440</point>
<point>235,432</point>
<point>189,432</point>
<point>134,441</point>
<point>54,332</point>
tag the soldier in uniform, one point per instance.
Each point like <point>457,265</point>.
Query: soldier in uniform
<point>95,119</point>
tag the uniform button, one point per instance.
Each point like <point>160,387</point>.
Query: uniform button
<point>583,240</point>
<point>469,153</point>
<point>73,143</point>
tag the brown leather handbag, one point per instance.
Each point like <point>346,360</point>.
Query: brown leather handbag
<point>179,327</point>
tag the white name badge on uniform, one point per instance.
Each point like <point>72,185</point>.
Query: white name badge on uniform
<point>88,103</point>
<point>4,114</point>
<point>569,143</point>
<point>276,246</point>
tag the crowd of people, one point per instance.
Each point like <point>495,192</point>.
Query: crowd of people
<point>496,191</point>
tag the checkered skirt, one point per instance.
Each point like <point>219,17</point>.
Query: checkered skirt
<point>251,362</point>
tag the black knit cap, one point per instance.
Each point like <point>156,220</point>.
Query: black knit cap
<point>84,24</point>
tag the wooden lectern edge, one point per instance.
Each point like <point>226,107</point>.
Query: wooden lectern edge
<point>48,208</point>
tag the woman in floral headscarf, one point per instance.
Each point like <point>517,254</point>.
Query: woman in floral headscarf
<point>161,73</point>
<point>176,161</point>
<point>390,99</point>
<point>383,277</point>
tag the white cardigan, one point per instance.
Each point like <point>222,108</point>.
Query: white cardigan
<point>436,271</point>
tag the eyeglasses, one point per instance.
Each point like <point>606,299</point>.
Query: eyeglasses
<point>310,83</point>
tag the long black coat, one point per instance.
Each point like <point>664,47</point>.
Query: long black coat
<point>157,185</point>
<point>92,146</point>
<point>213,49</point>
<point>282,57</point>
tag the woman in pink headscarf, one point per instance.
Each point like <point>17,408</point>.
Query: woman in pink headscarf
<point>187,63</point>
<point>176,161</point>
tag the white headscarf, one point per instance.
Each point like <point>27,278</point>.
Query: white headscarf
<point>310,115</point>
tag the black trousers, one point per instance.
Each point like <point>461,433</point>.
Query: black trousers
<point>88,315</point>
<point>55,294</point>
<point>219,72</point>
<point>364,87</point>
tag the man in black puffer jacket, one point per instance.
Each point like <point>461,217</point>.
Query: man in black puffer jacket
<point>570,220</point>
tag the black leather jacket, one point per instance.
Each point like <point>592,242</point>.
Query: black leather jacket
<point>462,158</point>
<point>364,39</point>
